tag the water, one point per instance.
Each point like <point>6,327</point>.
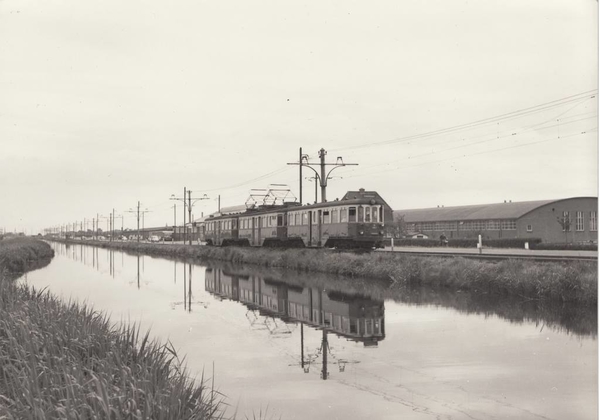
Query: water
<point>268,338</point>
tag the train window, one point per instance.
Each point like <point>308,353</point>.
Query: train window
<point>352,214</point>
<point>305,218</point>
<point>296,219</point>
<point>280,220</point>
<point>290,219</point>
<point>334,216</point>
<point>344,215</point>
<point>368,214</point>
<point>326,217</point>
<point>360,214</point>
<point>274,221</point>
<point>314,216</point>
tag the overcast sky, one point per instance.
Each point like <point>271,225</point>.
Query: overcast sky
<point>104,103</point>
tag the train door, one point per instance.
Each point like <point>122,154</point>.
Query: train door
<point>310,225</point>
<point>260,226</point>
<point>320,228</point>
<point>218,233</point>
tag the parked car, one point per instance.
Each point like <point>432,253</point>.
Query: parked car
<point>167,238</point>
<point>154,238</point>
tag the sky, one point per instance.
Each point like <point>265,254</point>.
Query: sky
<point>104,104</point>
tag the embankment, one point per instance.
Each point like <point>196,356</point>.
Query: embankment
<point>61,360</point>
<point>572,282</point>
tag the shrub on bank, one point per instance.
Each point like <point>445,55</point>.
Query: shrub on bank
<point>16,255</point>
<point>468,242</point>
<point>572,247</point>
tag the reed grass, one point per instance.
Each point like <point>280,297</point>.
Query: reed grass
<point>65,360</point>
<point>574,282</point>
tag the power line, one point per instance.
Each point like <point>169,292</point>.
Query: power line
<point>476,154</point>
<point>502,117</point>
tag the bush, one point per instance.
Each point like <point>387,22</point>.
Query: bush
<point>467,242</point>
<point>572,247</point>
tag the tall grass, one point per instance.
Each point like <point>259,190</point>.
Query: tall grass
<point>65,360</point>
<point>574,282</point>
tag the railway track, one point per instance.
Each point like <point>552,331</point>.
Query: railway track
<point>498,257</point>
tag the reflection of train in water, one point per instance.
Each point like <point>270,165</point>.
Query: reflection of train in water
<point>356,318</point>
<point>355,221</point>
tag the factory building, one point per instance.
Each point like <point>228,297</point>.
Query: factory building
<point>572,220</point>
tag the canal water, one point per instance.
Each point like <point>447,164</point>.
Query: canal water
<point>291,346</point>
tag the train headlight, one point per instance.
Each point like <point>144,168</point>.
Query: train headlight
<point>381,232</point>
<point>361,233</point>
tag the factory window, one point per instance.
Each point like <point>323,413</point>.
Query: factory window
<point>367,214</point>
<point>493,225</point>
<point>579,221</point>
<point>343,215</point>
<point>529,228</point>
<point>352,214</point>
<point>593,225</point>
<point>509,225</point>
<point>326,217</point>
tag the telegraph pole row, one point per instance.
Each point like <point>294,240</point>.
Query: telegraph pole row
<point>189,205</point>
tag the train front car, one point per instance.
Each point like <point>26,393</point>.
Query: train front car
<point>355,221</point>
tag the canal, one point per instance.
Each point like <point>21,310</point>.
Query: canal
<point>297,346</point>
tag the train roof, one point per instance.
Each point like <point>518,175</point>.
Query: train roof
<point>351,197</point>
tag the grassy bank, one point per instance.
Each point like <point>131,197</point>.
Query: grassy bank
<point>574,282</point>
<point>62,360</point>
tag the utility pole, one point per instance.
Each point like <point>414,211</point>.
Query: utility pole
<point>324,175</point>
<point>189,205</point>
<point>300,177</point>
<point>174,216</point>
<point>138,218</point>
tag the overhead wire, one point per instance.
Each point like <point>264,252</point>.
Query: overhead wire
<point>479,153</point>
<point>502,117</point>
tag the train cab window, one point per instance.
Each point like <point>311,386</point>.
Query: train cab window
<point>374,215</point>
<point>360,214</point>
<point>326,217</point>
<point>367,214</point>
<point>296,218</point>
<point>352,214</point>
<point>280,220</point>
<point>381,214</point>
<point>343,215</point>
<point>305,218</point>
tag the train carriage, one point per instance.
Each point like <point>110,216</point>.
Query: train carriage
<point>355,221</point>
